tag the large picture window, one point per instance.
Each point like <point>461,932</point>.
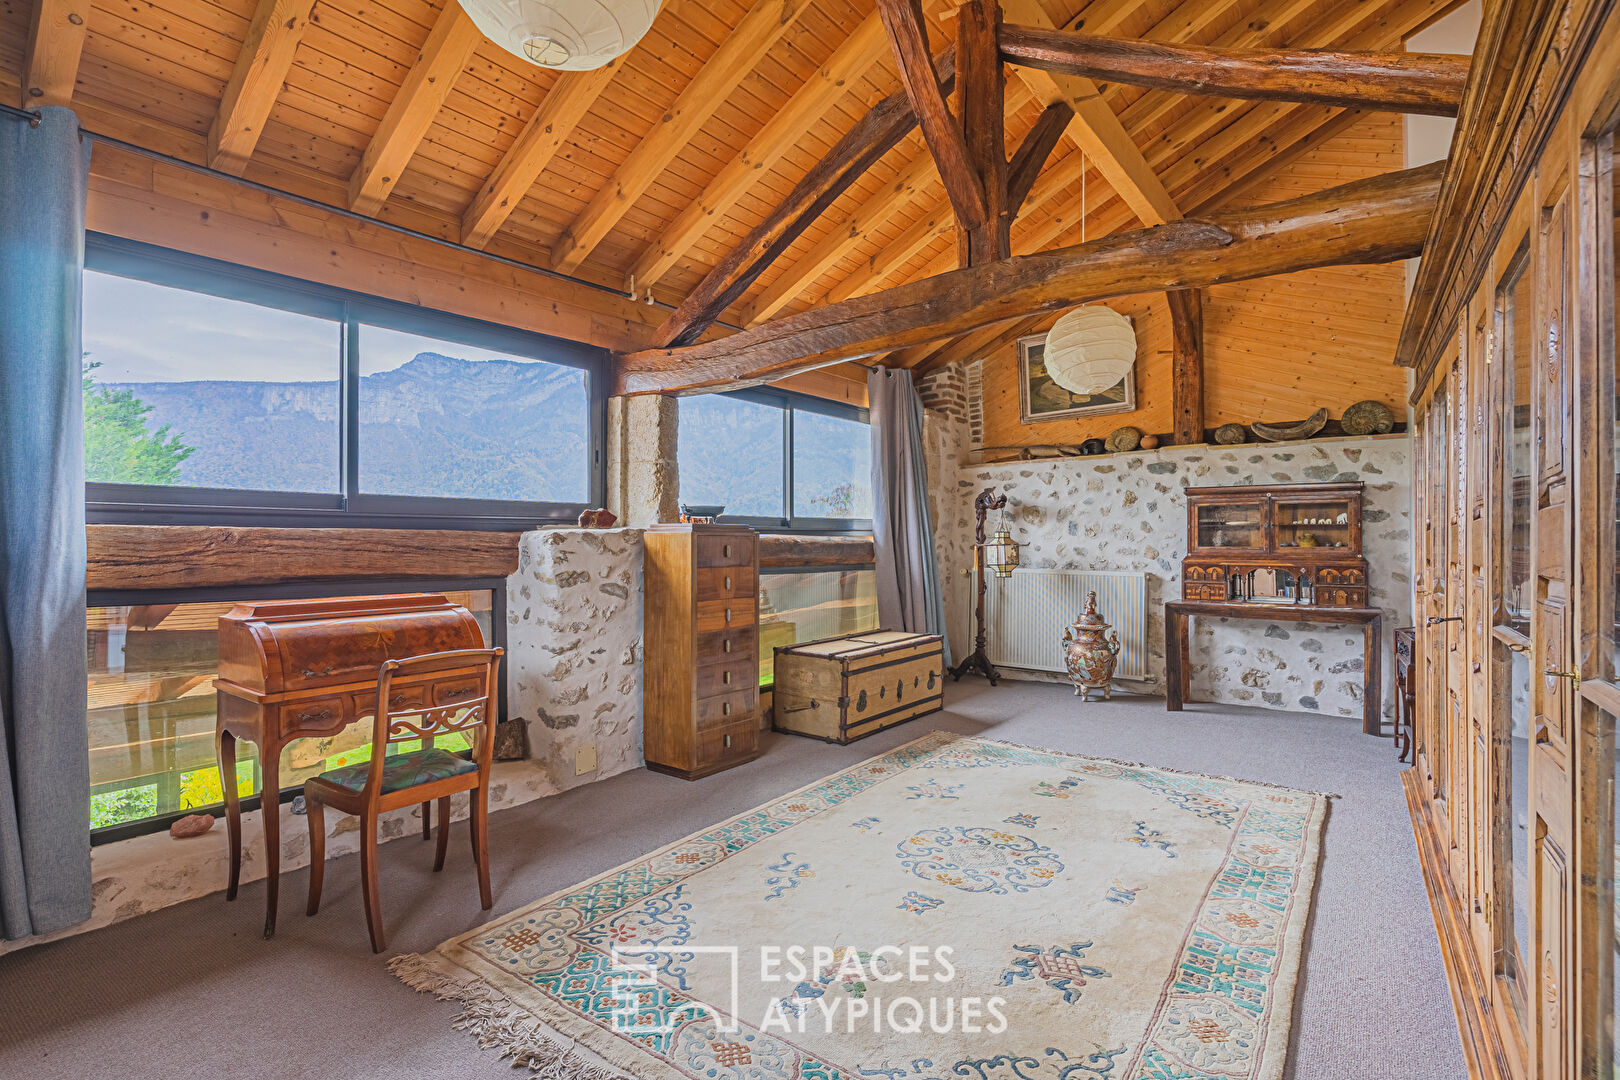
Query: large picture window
<point>218,394</point>
<point>777,460</point>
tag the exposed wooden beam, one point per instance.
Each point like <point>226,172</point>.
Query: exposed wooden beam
<point>743,48</point>
<point>831,82</point>
<point>51,55</point>
<point>875,135</point>
<point>1095,127</point>
<point>1380,219</point>
<point>1032,153</point>
<point>255,83</point>
<point>449,46</point>
<point>981,101</point>
<point>552,125</point>
<point>908,39</point>
<point>1403,82</point>
<point>1187,364</point>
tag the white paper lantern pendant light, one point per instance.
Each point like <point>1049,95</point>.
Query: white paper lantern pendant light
<point>568,35</point>
<point>1090,349</point>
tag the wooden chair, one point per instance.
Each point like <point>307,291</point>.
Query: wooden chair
<point>385,783</point>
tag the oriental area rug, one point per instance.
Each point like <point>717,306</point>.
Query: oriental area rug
<point>956,908</point>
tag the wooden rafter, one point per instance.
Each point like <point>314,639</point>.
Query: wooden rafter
<point>1403,82</point>
<point>982,105</point>
<point>449,46</point>
<point>1187,364</point>
<point>752,38</point>
<point>908,38</point>
<point>1033,151</point>
<point>875,135</point>
<point>831,82</point>
<point>51,55</point>
<point>552,125</point>
<point>1095,127</point>
<point>255,83</point>
<point>1381,219</point>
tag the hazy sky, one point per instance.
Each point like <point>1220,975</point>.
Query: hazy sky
<point>141,332</point>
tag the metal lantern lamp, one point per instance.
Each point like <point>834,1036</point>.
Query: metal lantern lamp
<point>999,555</point>
<point>568,35</point>
<point>1001,552</point>
<point>1090,349</point>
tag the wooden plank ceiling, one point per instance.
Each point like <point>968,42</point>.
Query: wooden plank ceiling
<point>647,173</point>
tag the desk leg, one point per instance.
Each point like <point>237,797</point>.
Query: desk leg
<point>1372,717</point>
<point>1175,661</point>
<point>225,747</point>
<point>270,807</point>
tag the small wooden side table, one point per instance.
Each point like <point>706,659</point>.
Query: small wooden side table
<point>1178,616</point>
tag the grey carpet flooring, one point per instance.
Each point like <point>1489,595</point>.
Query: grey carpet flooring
<point>195,991</point>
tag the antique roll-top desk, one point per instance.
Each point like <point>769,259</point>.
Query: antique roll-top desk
<point>293,669</point>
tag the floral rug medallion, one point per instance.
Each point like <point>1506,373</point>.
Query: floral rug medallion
<point>956,908</point>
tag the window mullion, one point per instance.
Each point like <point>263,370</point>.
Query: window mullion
<point>787,467</point>
<point>349,401</point>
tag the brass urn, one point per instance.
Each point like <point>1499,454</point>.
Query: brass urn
<point>1090,652</point>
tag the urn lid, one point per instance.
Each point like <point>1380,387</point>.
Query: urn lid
<point>1089,619</point>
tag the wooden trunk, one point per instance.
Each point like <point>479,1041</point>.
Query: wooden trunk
<point>701,685</point>
<point>846,688</point>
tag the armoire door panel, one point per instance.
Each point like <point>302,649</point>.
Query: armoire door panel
<point>1552,1046</point>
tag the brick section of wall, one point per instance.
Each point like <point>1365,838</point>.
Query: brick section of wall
<point>945,391</point>
<point>975,402</point>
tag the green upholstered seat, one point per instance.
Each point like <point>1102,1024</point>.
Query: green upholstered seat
<point>403,770</point>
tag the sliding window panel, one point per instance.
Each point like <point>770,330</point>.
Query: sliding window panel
<point>832,467</point>
<point>185,387</point>
<point>731,454</point>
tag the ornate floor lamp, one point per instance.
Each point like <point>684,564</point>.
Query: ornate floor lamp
<point>998,554</point>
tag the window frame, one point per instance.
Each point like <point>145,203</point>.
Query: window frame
<point>791,401</point>
<point>349,506</point>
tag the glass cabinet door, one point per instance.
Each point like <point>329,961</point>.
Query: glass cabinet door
<point>1315,523</point>
<point>1236,525</point>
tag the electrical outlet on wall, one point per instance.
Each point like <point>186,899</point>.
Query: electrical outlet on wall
<point>585,759</point>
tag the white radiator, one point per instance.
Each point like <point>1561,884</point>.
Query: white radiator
<point>1025,615</point>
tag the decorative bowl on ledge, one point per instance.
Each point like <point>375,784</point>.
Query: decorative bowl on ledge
<point>700,513</point>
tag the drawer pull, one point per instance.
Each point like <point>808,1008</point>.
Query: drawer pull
<point>460,692</point>
<point>396,701</point>
<point>728,742</point>
<point>725,709</point>
<point>725,678</point>
<point>725,552</point>
<point>315,716</point>
<point>725,646</point>
<point>728,582</point>
<point>728,616</point>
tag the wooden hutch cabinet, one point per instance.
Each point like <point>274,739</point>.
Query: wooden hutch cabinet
<point>1285,544</point>
<point>701,680</point>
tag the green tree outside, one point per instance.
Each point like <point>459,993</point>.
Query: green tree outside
<point>118,447</point>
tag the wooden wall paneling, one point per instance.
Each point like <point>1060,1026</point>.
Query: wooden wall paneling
<point>449,46</point>
<point>54,44</point>
<point>267,53</point>
<point>735,57</point>
<point>198,556</point>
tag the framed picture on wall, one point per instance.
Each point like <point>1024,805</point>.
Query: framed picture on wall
<point>1039,398</point>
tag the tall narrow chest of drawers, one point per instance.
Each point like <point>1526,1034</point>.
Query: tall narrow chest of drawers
<point>701,680</point>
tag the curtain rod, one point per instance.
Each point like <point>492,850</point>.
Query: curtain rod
<point>32,117</point>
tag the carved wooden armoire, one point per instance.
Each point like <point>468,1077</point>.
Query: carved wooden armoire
<point>1511,330</point>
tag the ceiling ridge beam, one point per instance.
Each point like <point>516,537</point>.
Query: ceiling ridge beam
<point>732,62</point>
<point>830,82</point>
<point>1380,219</point>
<point>255,83</point>
<point>552,125</point>
<point>1424,83</point>
<point>56,33</point>
<point>450,44</point>
<point>874,135</point>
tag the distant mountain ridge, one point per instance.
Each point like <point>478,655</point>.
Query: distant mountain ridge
<point>436,425</point>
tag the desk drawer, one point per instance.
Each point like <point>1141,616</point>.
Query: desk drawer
<point>722,743</point>
<point>724,710</point>
<point>460,688</point>
<point>315,716</point>
<point>737,644</point>
<point>731,613</point>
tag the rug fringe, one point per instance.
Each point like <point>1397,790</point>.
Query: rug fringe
<point>1147,765</point>
<point>497,1023</point>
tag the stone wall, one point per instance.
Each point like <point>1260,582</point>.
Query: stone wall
<point>573,670</point>
<point>1126,512</point>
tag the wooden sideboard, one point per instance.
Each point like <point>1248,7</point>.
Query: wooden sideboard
<point>701,680</point>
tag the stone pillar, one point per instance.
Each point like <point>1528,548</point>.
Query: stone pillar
<point>643,482</point>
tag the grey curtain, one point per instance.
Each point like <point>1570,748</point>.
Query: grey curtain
<point>908,591</point>
<point>44,766</point>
